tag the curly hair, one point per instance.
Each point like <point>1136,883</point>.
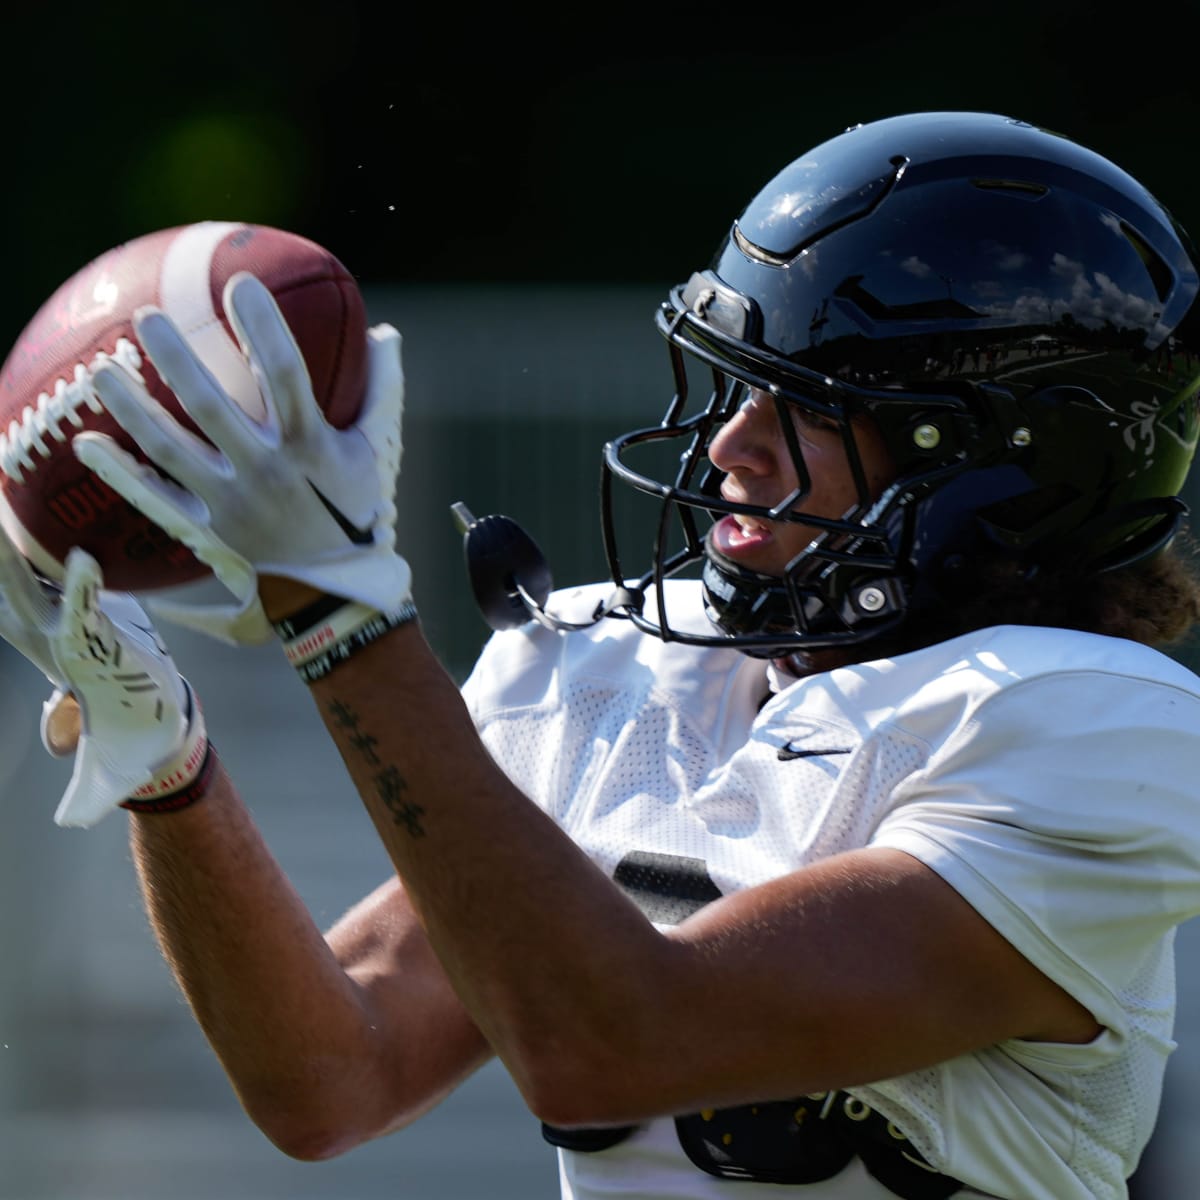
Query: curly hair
<point>1155,601</point>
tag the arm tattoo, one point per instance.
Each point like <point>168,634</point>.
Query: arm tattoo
<point>390,784</point>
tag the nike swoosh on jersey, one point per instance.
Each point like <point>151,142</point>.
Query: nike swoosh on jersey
<point>360,537</point>
<point>786,752</point>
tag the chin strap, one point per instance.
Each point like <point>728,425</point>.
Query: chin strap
<point>766,616</point>
<point>511,580</point>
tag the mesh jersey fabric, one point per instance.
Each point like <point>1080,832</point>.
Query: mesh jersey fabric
<point>1047,775</point>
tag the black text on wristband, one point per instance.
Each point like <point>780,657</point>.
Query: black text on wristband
<point>338,633</point>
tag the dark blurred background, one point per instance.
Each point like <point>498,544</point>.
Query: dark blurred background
<point>515,190</point>
<point>602,143</point>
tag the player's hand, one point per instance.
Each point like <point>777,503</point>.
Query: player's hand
<point>118,701</point>
<point>291,497</point>
<point>27,611</point>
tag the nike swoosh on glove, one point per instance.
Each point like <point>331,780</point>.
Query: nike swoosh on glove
<point>289,496</point>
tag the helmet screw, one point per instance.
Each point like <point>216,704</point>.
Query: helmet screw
<point>871,599</point>
<point>927,436</point>
<point>1021,436</point>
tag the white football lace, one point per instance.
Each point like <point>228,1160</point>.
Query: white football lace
<point>46,416</point>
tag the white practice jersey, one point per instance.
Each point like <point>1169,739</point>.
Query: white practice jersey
<point>1049,776</point>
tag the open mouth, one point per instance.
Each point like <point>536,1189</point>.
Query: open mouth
<point>737,535</point>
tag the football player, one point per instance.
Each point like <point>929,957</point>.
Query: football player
<point>838,840</point>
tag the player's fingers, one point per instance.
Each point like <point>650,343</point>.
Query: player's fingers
<point>379,422</point>
<point>82,579</point>
<point>180,513</point>
<point>77,635</point>
<point>171,507</point>
<point>273,354</point>
<point>223,421</point>
<point>176,450</point>
<point>385,368</point>
<point>61,723</point>
<point>22,591</point>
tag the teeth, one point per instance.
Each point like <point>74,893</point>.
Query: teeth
<point>749,524</point>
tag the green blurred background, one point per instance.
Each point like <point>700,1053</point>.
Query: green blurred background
<point>514,187</point>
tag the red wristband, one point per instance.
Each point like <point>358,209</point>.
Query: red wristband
<point>181,797</point>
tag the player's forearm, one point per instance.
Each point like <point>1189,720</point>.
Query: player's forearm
<point>539,945</point>
<point>282,1016</point>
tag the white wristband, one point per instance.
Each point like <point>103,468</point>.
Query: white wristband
<point>334,627</point>
<point>183,768</point>
<point>332,630</point>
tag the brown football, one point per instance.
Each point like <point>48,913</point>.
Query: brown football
<point>49,501</point>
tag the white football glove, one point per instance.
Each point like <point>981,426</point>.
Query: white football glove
<point>99,650</point>
<point>289,496</point>
<point>27,611</point>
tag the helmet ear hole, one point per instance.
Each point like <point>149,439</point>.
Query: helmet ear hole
<point>1018,521</point>
<point>1020,320</point>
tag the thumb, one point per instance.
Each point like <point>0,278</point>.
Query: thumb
<point>96,787</point>
<point>61,723</point>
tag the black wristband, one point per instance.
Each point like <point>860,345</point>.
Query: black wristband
<point>322,607</point>
<point>320,666</point>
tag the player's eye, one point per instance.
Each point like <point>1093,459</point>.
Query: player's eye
<point>807,419</point>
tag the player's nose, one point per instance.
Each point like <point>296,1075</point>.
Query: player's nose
<point>749,441</point>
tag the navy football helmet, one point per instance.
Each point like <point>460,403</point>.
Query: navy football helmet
<point>1018,317</point>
